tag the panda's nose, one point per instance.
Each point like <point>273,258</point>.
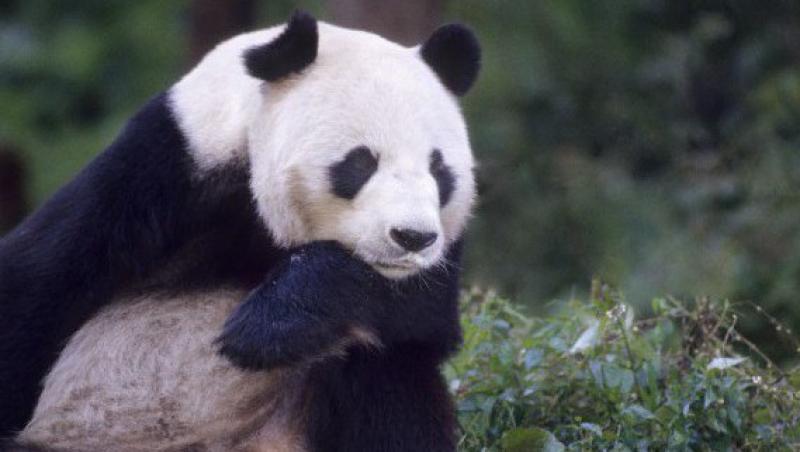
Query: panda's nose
<point>413,240</point>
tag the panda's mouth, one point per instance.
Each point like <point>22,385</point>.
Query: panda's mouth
<point>396,269</point>
<point>396,265</point>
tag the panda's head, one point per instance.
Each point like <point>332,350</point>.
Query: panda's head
<point>361,141</point>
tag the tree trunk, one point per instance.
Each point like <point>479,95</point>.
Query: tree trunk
<point>408,22</point>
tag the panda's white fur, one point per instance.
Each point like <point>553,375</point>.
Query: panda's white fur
<point>144,374</point>
<point>292,131</point>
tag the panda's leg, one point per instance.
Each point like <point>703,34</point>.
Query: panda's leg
<point>321,299</point>
<point>131,207</point>
<point>395,401</point>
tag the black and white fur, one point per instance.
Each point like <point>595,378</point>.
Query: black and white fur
<point>272,205</point>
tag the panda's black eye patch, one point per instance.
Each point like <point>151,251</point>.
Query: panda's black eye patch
<point>445,179</point>
<point>350,174</point>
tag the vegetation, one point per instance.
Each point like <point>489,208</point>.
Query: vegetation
<point>595,376</point>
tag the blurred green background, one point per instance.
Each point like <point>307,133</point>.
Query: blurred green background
<point>652,143</point>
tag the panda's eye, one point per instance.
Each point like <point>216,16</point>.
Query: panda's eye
<point>350,174</point>
<point>445,180</point>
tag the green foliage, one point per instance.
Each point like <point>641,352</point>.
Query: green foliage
<point>596,377</point>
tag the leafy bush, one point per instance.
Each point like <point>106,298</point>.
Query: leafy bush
<point>595,377</point>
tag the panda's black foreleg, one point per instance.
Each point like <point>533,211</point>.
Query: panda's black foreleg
<point>388,398</point>
<point>304,310</point>
<point>322,299</point>
<point>129,209</point>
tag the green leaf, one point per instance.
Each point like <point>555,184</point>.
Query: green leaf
<point>762,416</point>
<point>626,381</point>
<point>722,363</point>
<point>794,380</point>
<point>639,411</point>
<point>716,425</point>
<point>532,358</point>
<point>532,439</point>
<point>594,428</point>
<point>664,414</point>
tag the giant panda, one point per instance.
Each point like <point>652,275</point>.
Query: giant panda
<point>266,258</point>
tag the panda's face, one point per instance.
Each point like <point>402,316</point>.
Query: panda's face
<point>367,148</point>
<point>389,207</point>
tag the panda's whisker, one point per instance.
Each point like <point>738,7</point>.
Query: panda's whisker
<point>445,265</point>
<point>425,282</point>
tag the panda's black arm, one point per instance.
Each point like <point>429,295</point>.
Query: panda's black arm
<point>322,299</point>
<point>132,206</point>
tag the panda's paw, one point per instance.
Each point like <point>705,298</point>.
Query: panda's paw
<point>266,352</point>
<point>306,310</point>
<point>257,340</point>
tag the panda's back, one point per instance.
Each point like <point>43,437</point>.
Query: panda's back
<point>144,375</point>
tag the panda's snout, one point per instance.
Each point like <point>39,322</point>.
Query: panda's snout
<point>413,240</point>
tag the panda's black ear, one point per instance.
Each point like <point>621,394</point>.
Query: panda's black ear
<point>455,55</point>
<point>291,52</point>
